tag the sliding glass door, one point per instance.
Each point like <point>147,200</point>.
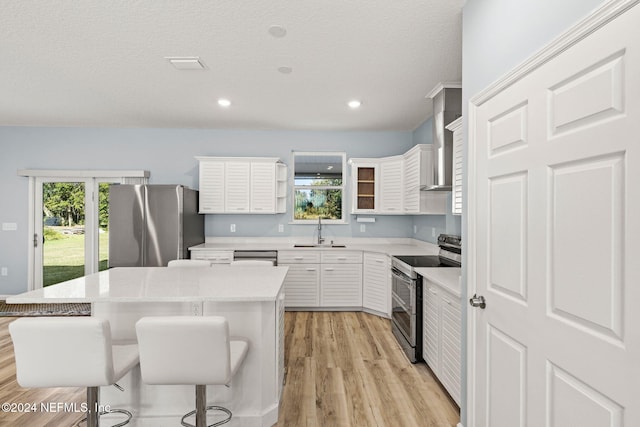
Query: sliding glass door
<point>71,236</point>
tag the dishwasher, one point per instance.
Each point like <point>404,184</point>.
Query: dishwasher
<point>240,256</point>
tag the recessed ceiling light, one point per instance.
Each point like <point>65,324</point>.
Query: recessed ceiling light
<point>285,70</point>
<point>277,31</point>
<point>224,102</point>
<point>186,63</point>
<point>354,104</point>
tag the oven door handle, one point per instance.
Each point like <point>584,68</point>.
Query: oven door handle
<point>400,303</point>
<point>402,277</point>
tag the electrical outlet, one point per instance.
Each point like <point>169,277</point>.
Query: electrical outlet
<point>363,228</point>
<point>232,228</point>
<point>280,228</point>
<point>4,272</point>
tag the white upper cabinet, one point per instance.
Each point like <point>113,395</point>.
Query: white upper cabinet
<point>413,160</point>
<point>364,174</point>
<point>237,187</point>
<point>456,180</point>
<point>392,185</point>
<point>263,187</point>
<point>242,185</point>
<point>211,192</point>
<point>391,190</point>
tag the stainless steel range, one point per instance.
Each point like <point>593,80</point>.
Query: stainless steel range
<point>406,312</point>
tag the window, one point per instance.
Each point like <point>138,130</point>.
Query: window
<point>318,187</point>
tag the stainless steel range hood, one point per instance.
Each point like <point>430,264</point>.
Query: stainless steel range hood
<point>447,106</point>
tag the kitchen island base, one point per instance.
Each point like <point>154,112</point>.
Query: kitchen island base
<point>253,395</point>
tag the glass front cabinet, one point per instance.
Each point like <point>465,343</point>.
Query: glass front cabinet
<point>365,187</point>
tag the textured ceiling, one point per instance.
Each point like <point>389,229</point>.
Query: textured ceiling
<point>102,63</point>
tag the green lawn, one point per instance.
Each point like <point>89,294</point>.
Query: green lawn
<point>64,258</point>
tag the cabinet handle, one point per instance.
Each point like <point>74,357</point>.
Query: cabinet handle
<point>224,259</point>
<point>446,301</point>
<point>433,291</point>
<point>257,209</point>
<point>342,258</point>
<point>381,261</point>
<point>328,269</point>
<point>311,269</point>
<point>298,258</point>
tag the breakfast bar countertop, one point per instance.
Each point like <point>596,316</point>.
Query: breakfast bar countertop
<point>158,284</point>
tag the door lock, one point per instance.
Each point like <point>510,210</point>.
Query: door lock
<point>477,301</point>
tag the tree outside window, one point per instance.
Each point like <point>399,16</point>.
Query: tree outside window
<point>318,186</point>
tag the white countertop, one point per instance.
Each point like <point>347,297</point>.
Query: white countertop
<point>385,246</point>
<point>448,278</point>
<point>155,284</point>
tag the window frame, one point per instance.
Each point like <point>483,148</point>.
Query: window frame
<point>342,188</point>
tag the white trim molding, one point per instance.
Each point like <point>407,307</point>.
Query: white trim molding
<point>445,85</point>
<point>83,173</point>
<point>598,18</point>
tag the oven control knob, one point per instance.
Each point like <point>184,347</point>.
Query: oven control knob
<point>477,301</point>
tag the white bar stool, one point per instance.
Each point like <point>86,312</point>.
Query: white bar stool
<point>71,352</point>
<point>189,263</point>
<point>190,350</point>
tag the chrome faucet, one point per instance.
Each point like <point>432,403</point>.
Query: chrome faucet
<point>320,238</point>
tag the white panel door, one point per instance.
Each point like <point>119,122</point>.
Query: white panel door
<point>557,221</point>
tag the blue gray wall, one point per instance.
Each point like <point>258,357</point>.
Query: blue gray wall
<point>169,155</point>
<point>498,35</point>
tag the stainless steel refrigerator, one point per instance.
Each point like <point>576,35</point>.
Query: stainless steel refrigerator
<point>149,225</point>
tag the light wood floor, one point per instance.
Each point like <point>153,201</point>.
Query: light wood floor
<point>343,369</point>
<point>346,369</point>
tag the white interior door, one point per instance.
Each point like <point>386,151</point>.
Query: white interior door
<point>557,240</point>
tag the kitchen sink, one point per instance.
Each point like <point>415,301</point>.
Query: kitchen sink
<point>318,246</point>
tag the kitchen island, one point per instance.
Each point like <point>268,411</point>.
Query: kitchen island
<point>251,298</point>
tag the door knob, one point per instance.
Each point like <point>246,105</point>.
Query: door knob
<point>477,301</point>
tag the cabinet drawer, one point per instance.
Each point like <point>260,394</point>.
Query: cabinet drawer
<point>299,257</point>
<point>216,257</point>
<point>342,257</point>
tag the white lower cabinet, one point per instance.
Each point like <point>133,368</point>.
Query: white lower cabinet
<point>376,283</point>
<point>322,279</point>
<point>341,285</point>
<point>302,285</point>
<point>442,336</point>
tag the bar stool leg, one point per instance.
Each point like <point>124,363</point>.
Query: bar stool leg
<point>93,415</point>
<point>201,406</point>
